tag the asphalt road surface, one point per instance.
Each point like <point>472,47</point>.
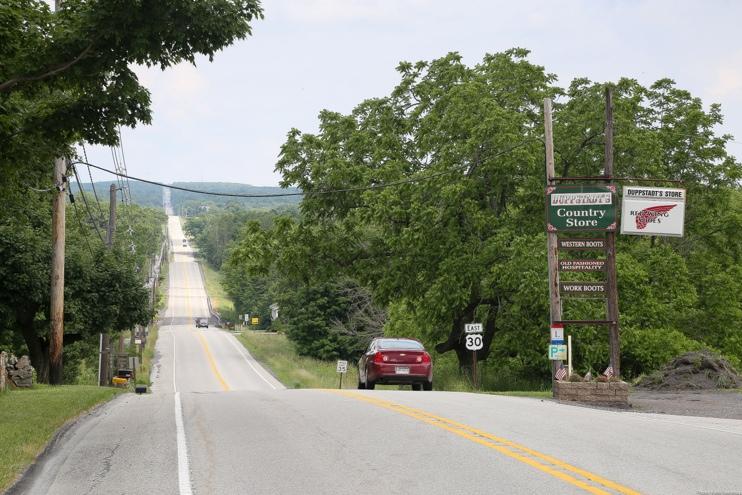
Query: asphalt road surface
<point>216,422</point>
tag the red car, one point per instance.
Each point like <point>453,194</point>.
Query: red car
<point>395,362</point>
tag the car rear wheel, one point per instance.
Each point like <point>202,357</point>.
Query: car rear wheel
<point>369,384</point>
<point>428,386</point>
<point>417,386</point>
<point>361,385</point>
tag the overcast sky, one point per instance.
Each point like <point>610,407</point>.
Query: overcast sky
<point>226,120</point>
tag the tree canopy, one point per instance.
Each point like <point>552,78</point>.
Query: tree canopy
<point>442,217</point>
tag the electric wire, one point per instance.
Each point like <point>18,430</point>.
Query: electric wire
<point>87,207</point>
<point>123,159</point>
<point>92,184</point>
<point>383,185</point>
<point>82,227</point>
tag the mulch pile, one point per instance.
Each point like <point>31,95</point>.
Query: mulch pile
<point>698,370</point>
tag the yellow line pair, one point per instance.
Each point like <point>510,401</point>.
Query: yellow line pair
<point>542,462</point>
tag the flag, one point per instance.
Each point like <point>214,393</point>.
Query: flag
<point>561,373</point>
<point>608,372</point>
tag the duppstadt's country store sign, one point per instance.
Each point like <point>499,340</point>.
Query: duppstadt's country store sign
<point>581,208</point>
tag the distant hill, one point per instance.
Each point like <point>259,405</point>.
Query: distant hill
<point>150,195</point>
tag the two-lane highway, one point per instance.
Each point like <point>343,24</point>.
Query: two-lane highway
<point>217,422</point>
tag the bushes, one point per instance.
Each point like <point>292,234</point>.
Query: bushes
<point>647,349</point>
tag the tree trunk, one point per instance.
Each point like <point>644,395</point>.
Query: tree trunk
<point>38,347</point>
<point>456,341</point>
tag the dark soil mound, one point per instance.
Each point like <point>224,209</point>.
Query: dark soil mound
<point>700,370</point>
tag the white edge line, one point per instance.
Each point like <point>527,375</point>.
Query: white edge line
<point>231,339</point>
<point>184,470</point>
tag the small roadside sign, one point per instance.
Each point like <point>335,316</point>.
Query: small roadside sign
<point>474,341</point>
<point>557,352</point>
<point>473,328</point>
<point>557,333</point>
<point>342,366</point>
<point>255,320</point>
<point>137,341</point>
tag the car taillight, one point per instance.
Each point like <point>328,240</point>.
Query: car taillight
<point>426,358</point>
<point>379,357</point>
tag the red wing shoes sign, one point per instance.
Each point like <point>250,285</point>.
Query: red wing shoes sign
<point>580,208</point>
<point>652,211</point>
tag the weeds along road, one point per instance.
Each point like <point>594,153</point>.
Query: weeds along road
<point>217,422</point>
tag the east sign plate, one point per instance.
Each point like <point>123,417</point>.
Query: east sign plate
<point>653,211</point>
<point>580,208</point>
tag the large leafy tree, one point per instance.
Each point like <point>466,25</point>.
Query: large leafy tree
<point>67,76</point>
<point>440,212</point>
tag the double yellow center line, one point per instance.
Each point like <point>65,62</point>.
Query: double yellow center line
<point>204,344</point>
<point>590,482</point>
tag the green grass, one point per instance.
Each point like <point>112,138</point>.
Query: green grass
<point>29,419</point>
<point>148,354</point>
<point>277,353</point>
<point>219,299</point>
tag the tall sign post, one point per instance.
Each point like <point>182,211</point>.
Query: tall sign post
<point>610,251</point>
<point>552,244</point>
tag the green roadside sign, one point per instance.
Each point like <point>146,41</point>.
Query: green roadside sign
<point>577,208</point>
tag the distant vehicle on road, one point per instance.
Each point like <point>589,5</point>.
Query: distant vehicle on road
<point>202,322</point>
<point>185,242</point>
<point>395,362</point>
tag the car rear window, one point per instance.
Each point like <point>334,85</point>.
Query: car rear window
<point>400,344</point>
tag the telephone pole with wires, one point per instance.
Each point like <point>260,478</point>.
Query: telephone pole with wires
<point>56,302</point>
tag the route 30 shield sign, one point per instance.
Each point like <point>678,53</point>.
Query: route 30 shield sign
<point>474,341</point>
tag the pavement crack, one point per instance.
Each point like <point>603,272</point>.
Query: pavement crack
<point>107,462</point>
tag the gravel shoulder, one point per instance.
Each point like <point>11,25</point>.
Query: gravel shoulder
<point>706,403</point>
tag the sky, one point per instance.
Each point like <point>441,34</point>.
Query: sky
<point>226,120</point>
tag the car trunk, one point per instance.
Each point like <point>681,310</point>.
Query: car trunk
<point>402,356</point>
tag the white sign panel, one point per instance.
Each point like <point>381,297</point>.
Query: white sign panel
<point>473,328</point>
<point>653,211</point>
<point>557,333</point>
<point>342,366</point>
<point>474,341</point>
<point>557,352</point>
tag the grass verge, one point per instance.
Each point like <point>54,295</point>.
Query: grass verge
<point>276,352</point>
<point>29,419</point>
<point>220,301</point>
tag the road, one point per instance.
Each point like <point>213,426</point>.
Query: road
<point>217,422</point>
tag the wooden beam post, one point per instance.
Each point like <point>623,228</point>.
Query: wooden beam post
<point>552,246</point>
<point>612,302</point>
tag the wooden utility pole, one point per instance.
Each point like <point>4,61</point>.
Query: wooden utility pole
<point>56,305</point>
<point>614,342</point>
<point>552,246</point>
<point>105,375</point>
<point>56,302</point>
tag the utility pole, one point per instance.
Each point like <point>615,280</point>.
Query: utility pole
<point>56,304</point>
<point>56,299</point>
<point>552,245</point>
<point>105,377</point>
<point>614,342</point>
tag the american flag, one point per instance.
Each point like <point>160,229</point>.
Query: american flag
<point>608,372</point>
<point>561,373</point>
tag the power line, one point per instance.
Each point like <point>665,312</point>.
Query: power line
<point>322,191</point>
<point>79,222</point>
<point>87,207</point>
<point>92,184</point>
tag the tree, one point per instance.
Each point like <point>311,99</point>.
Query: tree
<point>441,214</point>
<point>66,76</point>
